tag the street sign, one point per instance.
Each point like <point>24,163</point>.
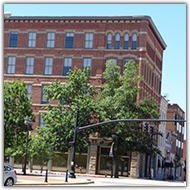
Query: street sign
<point>71,143</point>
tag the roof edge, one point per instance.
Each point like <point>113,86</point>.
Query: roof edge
<point>95,17</point>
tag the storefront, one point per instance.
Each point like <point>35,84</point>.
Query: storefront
<point>105,162</point>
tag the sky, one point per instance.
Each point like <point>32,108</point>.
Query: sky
<point>170,20</point>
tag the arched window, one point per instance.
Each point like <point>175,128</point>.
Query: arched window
<point>117,41</point>
<point>134,41</point>
<point>109,41</point>
<point>126,41</point>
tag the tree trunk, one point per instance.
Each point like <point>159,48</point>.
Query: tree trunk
<point>41,168</point>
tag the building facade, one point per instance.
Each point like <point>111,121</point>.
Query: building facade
<point>175,135</point>
<point>42,49</point>
<point>161,139</point>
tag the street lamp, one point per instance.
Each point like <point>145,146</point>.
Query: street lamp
<point>7,14</point>
<point>151,134</point>
<point>72,172</point>
<point>114,136</point>
<point>28,123</point>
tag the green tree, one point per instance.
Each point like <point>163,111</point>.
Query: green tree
<point>17,107</point>
<point>41,146</point>
<point>118,100</point>
<point>177,161</point>
<point>76,92</point>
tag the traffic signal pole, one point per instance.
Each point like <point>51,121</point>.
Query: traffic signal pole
<point>73,144</point>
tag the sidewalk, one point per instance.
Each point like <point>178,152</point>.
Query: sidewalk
<point>54,178</point>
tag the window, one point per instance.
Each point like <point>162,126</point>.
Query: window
<point>32,39</point>
<point>134,41</point>
<point>69,40</point>
<point>117,41</point>
<point>126,61</point>
<point>42,122</point>
<point>43,96</point>
<point>87,62</point>
<point>114,60</point>
<point>13,39</point>
<point>88,41</point>
<point>11,65</point>
<point>67,66</point>
<point>109,41</point>
<point>60,160</point>
<point>126,41</point>
<point>29,66</point>
<point>48,65</point>
<point>29,88</point>
<point>50,40</point>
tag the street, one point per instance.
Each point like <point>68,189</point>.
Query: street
<point>27,180</point>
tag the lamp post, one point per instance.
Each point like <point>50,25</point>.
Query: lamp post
<point>151,133</point>
<point>72,172</point>
<point>114,136</point>
<point>28,123</point>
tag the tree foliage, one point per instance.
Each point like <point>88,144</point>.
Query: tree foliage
<point>118,100</point>
<point>76,92</point>
<point>17,107</point>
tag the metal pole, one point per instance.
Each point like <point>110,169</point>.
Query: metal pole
<point>72,172</point>
<point>66,180</point>
<point>26,150</point>
<point>151,133</point>
<point>129,120</point>
<point>46,176</point>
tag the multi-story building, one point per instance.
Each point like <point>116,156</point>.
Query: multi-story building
<point>175,135</point>
<point>42,49</point>
<point>161,139</point>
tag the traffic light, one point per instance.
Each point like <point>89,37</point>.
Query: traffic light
<point>146,127</point>
<point>151,129</point>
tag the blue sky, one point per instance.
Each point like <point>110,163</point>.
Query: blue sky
<point>170,20</point>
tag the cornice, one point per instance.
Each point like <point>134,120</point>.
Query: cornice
<point>89,19</point>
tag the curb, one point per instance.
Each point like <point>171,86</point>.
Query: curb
<point>52,183</point>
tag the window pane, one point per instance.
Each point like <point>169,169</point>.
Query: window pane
<point>88,40</point>
<point>13,39</point>
<point>29,65</point>
<point>48,66</point>
<point>11,65</point>
<point>69,40</point>
<point>31,39</point>
<point>134,41</point>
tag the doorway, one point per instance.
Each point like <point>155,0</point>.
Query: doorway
<point>124,167</point>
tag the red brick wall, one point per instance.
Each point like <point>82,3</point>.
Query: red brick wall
<point>99,53</point>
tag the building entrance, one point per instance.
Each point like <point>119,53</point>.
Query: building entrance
<point>105,162</point>
<point>124,167</point>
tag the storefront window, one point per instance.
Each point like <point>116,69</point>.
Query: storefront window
<point>80,161</point>
<point>105,159</point>
<point>60,160</point>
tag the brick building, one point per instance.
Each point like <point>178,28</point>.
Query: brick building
<point>175,134</point>
<point>42,49</point>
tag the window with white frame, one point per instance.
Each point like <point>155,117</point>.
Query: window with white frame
<point>109,41</point>
<point>29,90</point>
<point>50,40</point>
<point>117,41</point>
<point>67,65</point>
<point>114,60</point>
<point>29,66</point>
<point>87,62</point>
<point>48,66</point>
<point>42,122</point>
<point>126,41</point>
<point>126,61</point>
<point>88,40</point>
<point>134,41</point>
<point>69,40</point>
<point>13,39</point>
<point>43,101</point>
<point>32,39</point>
<point>11,65</point>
